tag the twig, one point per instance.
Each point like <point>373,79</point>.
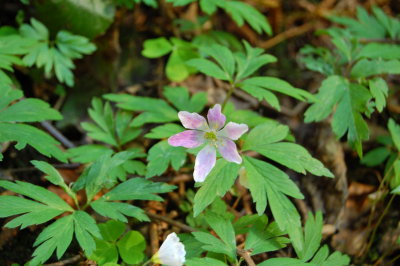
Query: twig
<point>290,33</point>
<point>245,254</point>
<point>66,261</point>
<point>57,134</point>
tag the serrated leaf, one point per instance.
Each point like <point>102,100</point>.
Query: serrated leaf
<point>223,56</point>
<point>312,236</point>
<point>284,262</point>
<point>161,155</point>
<point>265,134</point>
<point>164,131</point>
<point>179,97</point>
<point>138,189</point>
<point>376,156</point>
<point>88,153</point>
<point>369,67</point>
<point>117,210</point>
<point>348,116</point>
<point>380,50</point>
<point>242,12</point>
<point>85,229</point>
<point>379,90</point>
<point>153,110</point>
<point>217,183</point>
<point>57,236</point>
<point>209,68</point>
<point>26,134</point>
<point>204,262</point>
<point>330,93</point>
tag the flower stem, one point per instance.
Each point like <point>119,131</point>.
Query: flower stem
<point>228,96</point>
<point>147,263</point>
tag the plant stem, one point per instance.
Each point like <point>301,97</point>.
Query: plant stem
<point>228,96</point>
<point>147,262</point>
<point>371,240</point>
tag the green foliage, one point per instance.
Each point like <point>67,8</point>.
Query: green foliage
<point>389,153</point>
<point>161,155</point>
<point>237,68</point>
<point>354,84</point>
<point>132,189</point>
<point>87,18</point>
<point>239,11</point>
<point>180,52</point>
<point>116,243</point>
<point>57,57</point>
<point>14,111</point>
<point>224,229</point>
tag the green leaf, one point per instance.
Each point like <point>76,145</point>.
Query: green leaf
<point>380,50</point>
<point>26,134</point>
<point>376,156</point>
<point>104,253</point>
<point>158,47</point>
<point>366,67</point>
<point>87,18</point>
<point>131,247</point>
<point>138,189</point>
<point>112,230</point>
<point>57,236</point>
<point>179,97</point>
<point>330,93</point>
<point>265,134</point>
<point>261,175</point>
<point>204,262</point>
<point>161,155</point>
<point>54,177</point>
<point>153,110</point>
<point>49,205</point>
<point>379,91</point>
<point>88,153</point>
<point>277,85</point>
<point>223,56</point>
<point>224,229</point>
<point>118,210</point>
<point>394,130</point>
<point>209,68</point>
<point>29,110</point>
<point>266,182</point>
<point>251,61</point>
<point>312,236</point>
<point>217,183</point>
<point>164,131</point>
<point>348,116</point>
<point>85,229</point>
<point>264,238</point>
<point>176,68</point>
<point>283,262</point>
<point>242,12</point>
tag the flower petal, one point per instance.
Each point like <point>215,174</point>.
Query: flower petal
<point>233,130</point>
<point>172,252</point>
<point>205,161</point>
<point>215,118</point>
<point>193,121</point>
<point>228,150</point>
<point>187,139</point>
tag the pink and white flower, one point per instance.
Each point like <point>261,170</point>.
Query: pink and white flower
<point>172,252</point>
<point>213,135</point>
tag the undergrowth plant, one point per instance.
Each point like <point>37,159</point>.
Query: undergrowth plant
<point>135,141</point>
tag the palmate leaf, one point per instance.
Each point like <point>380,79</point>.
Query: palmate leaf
<point>153,110</point>
<point>113,129</point>
<point>351,101</point>
<point>27,110</point>
<point>224,229</point>
<point>58,57</point>
<point>164,131</point>
<point>217,183</point>
<point>179,97</point>
<point>161,155</point>
<point>46,206</point>
<point>132,189</point>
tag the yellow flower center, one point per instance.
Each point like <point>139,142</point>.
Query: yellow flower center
<point>210,136</point>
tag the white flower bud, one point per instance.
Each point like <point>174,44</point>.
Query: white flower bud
<point>172,252</point>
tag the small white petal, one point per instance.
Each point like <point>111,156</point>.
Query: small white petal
<point>193,121</point>
<point>205,162</point>
<point>233,130</point>
<point>172,251</point>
